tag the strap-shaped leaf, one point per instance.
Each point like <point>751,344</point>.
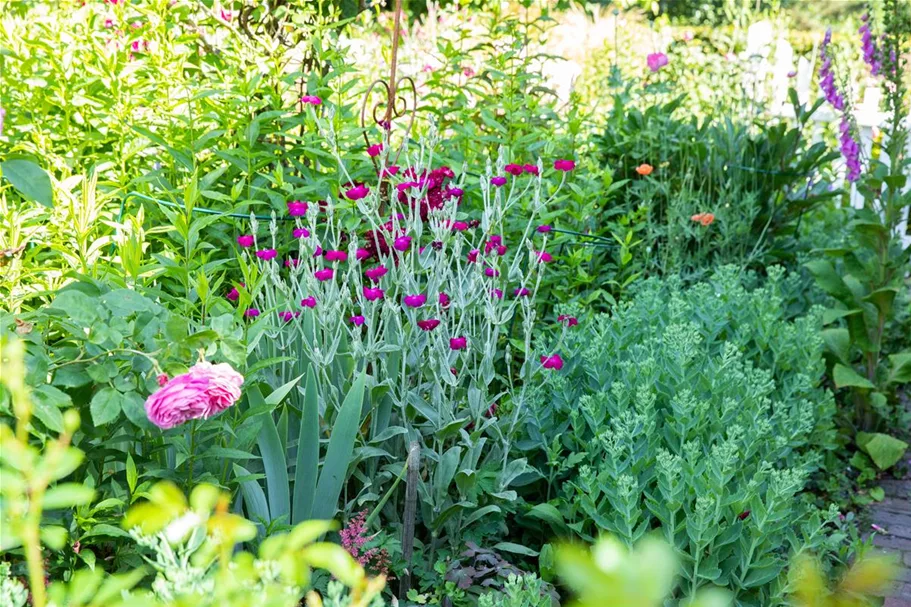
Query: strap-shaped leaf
<point>307,468</point>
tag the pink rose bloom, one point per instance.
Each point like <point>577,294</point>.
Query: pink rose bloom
<point>656,61</point>
<point>202,392</point>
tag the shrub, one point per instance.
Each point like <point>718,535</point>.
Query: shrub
<point>697,411</point>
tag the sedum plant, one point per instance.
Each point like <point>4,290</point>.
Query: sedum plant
<point>696,412</point>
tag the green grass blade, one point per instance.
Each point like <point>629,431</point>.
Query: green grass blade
<point>338,455</point>
<point>274,462</point>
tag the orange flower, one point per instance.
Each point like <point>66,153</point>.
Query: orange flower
<point>645,169</point>
<point>705,219</point>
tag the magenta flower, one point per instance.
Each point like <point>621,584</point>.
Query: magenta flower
<point>308,302</point>
<point>521,292</point>
<point>300,233</point>
<point>545,257</point>
<point>266,254</point>
<point>569,321</point>
<point>373,294</point>
<point>245,241</point>
<point>374,150</point>
<point>324,274</point>
<point>390,171</point>
<point>552,362</point>
<point>336,256</point>
<point>162,379</point>
<point>498,181</point>
<point>454,192</point>
<point>415,301</point>
<point>225,15</point>
<point>362,254</point>
<point>473,255</point>
<point>376,273</point>
<point>357,192</point>
<point>357,320</point>
<point>296,208</point>
<point>458,343</point>
<point>428,325</point>
<point>444,299</point>
<point>496,293</point>
<point>288,315</point>
<point>459,226</point>
<point>233,294</point>
<point>251,313</point>
<point>202,392</point>
<point>531,169</point>
<point>291,261</point>
<point>564,165</point>
<point>544,229</point>
<point>513,169</point>
<point>311,100</point>
<point>490,272</point>
<point>402,243</point>
<point>656,61</point>
<point>108,23</point>
<point>318,252</point>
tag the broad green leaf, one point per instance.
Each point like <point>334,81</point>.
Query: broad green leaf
<point>884,450</point>
<point>839,342</point>
<point>30,180</point>
<point>106,406</point>
<point>132,473</point>
<point>901,368</point>
<point>549,514</point>
<point>515,548</point>
<point>338,454</point>
<point>278,395</point>
<point>846,377</point>
<point>254,498</point>
<point>67,495</point>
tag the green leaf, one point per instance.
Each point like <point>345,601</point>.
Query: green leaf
<point>30,180</point>
<point>106,406</point>
<point>307,467</point>
<point>884,450</point>
<point>274,464</point>
<point>279,394</point>
<point>839,342</point>
<point>901,368</point>
<point>549,514</point>
<point>829,280</point>
<point>134,409</point>
<point>254,499</point>
<point>878,494</point>
<point>47,402</point>
<point>338,455</point>
<point>515,548</point>
<point>132,474</point>
<point>67,495</point>
<point>846,377</point>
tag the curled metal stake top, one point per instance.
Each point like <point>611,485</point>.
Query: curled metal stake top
<point>396,105</point>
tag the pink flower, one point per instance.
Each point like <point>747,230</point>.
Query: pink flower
<point>225,15</point>
<point>266,254</point>
<point>473,255</point>
<point>245,241</point>
<point>324,274</point>
<point>564,165</point>
<point>498,181</point>
<point>656,61</point>
<point>357,320</point>
<point>376,273</point>
<point>444,299</point>
<point>459,226</point>
<point>203,391</point>
<point>521,292</point>
<point>318,252</point>
<point>308,302</point>
<point>544,229</point>
<point>162,379</point>
<point>454,192</point>
<point>878,529</point>
<point>490,272</point>
<point>402,243</point>
<point>251,313</point>
<point>374,150</point>
<point>458,343</point>
<point>288,315</point>
<point>454,371</point>
<point>429,325</point>
<point>300,232</point>
<point>513,169</point>
<point>233,294</point>
<point>362,254</point>
<point>545,257</point>
<point>390,171</point>
<point>296,208</point>
<point>373,294</point>
<point>311,100</point>
<point>497,293</point>
<point>415,301</point>
<point>427,68</point>
<point>552,362</point>
<point>357,192</point>
<point>336,256</point>
<point>108,23</point>
<point>531,169</point>
<point>469,72</point>
<point>792,74</point>
<point>291,261</point>
<point>569,321</point>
